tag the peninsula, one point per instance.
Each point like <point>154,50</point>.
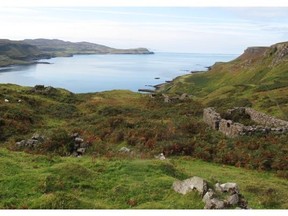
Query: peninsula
<point>28,51</point>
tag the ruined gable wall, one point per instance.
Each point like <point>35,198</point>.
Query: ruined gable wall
<point>211,117</point>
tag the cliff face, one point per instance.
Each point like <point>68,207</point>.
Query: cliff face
<point>279,52</point>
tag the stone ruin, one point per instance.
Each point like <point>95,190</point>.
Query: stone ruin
<point>79,146</point>
<point>265,123</point>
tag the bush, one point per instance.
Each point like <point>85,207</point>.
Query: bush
<point>59,143</point>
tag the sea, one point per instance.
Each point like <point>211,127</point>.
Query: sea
<point>95,73</point>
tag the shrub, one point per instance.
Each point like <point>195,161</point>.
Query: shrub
<point>59,142</point>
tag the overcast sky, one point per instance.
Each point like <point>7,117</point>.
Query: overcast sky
<point>174,29</point>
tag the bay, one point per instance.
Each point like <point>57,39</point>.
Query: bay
<point>94,73</point>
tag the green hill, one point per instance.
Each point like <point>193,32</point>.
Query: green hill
<point>29,51</point>
<point>16,52</point>
<point>257,78</point>
<point>55,48</point>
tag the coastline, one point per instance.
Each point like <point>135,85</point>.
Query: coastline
<point>160,86</point>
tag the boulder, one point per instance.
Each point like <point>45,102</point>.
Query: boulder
<point>183,96</point>
<point>233,199</point>
<point>230,187</point>
<point>31,143</point>
<point>81,150</point>
<point>191,184</point>
<point>124,150</point>
<point>218,187</point>
<point>78,140</point>
<point>38,137</point>
<point>214,203</point>
<point>160,156</point>
<point>208,196</point>
<point>84,145</point>
<point>22,143</point>
<point>74,135</point>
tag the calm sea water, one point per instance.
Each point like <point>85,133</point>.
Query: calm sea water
<point>93,73</point>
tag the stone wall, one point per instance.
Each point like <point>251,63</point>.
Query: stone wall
<point>264,119</point>
<point>212,118</point>
<point>230,128</point>
<point>266,123</point>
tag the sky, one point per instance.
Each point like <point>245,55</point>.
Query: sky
<point>161,29</point>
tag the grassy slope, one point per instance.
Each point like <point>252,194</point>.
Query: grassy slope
<point>246,81</point>
<point>110,120</point>
<point>15,52</point>
<point>35,181</point>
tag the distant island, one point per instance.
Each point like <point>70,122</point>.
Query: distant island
<point>28,51</point>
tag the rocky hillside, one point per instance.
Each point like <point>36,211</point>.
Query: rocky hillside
<point>65,48</point>
<point>258,78</point>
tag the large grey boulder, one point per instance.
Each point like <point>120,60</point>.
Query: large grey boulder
<point>194,183</point>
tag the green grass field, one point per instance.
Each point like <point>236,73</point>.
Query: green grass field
<point>44,182</point>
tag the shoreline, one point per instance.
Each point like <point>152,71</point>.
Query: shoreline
<point>159,86</point>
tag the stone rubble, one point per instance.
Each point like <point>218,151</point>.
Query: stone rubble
<point>212,197</point>
<point>34,142</point>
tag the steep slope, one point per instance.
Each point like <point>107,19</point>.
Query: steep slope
<point>65,48</point>
<point>257,78</point>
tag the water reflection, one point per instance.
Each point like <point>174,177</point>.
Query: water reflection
<point>17,68</point>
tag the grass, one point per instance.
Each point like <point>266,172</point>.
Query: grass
<point>43,182</point>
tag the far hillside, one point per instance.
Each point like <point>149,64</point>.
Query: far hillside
<point>258,78</point>
<point>29,51</point>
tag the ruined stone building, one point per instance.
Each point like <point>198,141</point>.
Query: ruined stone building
<point>263,123</point>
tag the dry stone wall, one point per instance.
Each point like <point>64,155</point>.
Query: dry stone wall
<point>266,123</point>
